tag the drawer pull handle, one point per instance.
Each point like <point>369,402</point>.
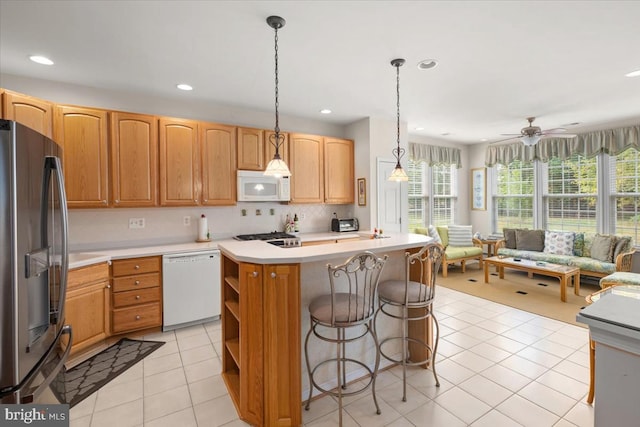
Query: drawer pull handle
<point>137,296</point>
<point>137,267</point>
<point>137,282</point>
<point>137,317</point>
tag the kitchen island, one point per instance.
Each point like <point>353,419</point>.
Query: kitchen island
<point>265,292</point>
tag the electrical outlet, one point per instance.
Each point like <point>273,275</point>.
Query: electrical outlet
<point>186,221</point>
<point>136,222</point>
<point>302,216</point>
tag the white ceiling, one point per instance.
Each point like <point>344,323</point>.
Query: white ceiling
<point>499,62</point>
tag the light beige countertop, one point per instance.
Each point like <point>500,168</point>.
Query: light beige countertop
<point>264,253</point>
<point>261,252</point>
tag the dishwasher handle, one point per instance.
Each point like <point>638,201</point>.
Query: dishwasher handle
<point>209,253</point>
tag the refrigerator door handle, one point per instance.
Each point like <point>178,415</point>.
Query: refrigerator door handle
<point>30,398</point>
<point>52,164</point>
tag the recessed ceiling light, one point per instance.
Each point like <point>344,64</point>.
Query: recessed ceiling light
<point>483,140</point>
<point>325,111</point>
<point>419,128</point>
<point>183,86</point>
<point>635,73</point>
<point>445,134</point>
<point>41,60</point>
<point>427,64</point>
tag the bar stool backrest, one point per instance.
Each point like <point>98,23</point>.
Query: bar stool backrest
<point>422,267</point>
<point>354,287</point>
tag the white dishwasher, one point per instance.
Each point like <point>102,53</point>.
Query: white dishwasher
<point>190,288</point>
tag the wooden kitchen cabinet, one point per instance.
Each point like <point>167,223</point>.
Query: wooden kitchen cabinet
<point>82,133</point>
<point>179,162</point>
<point>251,149</point>
<point>261,335</point>
<point>134,160</point>
<point>307,168</point>
<point>29,111</point>
<point>136,294</point>
<point>338,171</point>
<point>218,155</point>
<point>270,149</point>
<point>87,305</point>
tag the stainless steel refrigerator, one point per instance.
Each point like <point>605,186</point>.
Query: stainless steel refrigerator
<point>33,265</point>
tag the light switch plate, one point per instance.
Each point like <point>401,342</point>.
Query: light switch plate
<point>136,222</point>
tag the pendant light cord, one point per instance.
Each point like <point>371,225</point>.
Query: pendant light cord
<point>277,128</point>
<point>399,152</point>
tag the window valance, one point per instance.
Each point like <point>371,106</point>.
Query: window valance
<point>434,155</point>
<point>611,142</point>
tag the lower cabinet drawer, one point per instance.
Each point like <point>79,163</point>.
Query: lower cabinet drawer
<point>136,317</point>
<point>140,296</point>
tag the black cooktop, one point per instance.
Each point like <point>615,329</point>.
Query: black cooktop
<point>265,236</point>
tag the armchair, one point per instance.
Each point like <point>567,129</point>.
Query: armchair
<point>455,253</point>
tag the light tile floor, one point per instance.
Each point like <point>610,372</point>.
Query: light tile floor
<point>498,366</point>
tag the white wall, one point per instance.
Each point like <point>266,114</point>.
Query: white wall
<point>481,220</point>
<point>359,133</point>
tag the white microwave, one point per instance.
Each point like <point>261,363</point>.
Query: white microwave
<point>255,186</point>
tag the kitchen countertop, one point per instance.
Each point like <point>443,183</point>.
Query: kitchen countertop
<point>264,253</point>
<point>85,258</point>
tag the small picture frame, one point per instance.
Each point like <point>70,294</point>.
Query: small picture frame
<point>479,189</point>
<point>362,192</point>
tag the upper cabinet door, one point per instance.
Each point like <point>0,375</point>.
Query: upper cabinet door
<point>32,112</point>
<point>218,154</point>
<point>307,182</point>
<point>251,149</point>
<point>134,160</point>
<point>82,132</point>
<point>179,168</point>
<point>270,148</point>
<point>338,171</point>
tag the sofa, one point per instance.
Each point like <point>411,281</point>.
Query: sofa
<point>459,245</point>
<point>596,255</point>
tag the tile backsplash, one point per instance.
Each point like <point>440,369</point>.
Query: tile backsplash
<point>93,229</point>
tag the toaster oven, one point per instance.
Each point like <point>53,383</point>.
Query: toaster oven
<point>344,224</point>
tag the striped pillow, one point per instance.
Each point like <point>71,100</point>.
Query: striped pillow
<point>460,236</point>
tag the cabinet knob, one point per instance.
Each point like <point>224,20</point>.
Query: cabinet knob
<point>104,202</point>
<point>273,275</point>
<point>255,274</point>
<point>137,317</point>
<point>117,201</point>
<point>137,282</point>
<point>196,200</point>
<point>137,267</point>
<point>108,286</point>
<point>137,296</point>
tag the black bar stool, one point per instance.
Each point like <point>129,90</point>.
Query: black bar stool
<point>350,304</point>
<point>411,300</point>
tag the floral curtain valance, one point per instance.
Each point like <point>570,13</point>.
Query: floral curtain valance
<point>434,155</point>
<point>611,141</point>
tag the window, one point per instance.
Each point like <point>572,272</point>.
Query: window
<point>513,200</point>
<point>570,197</point>
<point>432,194</point>
<point>625,193</point>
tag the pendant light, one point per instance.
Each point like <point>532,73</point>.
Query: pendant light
<point>277,167</point>
<point>398,173</point>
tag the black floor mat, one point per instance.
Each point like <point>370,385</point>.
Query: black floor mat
<point>87,377</point>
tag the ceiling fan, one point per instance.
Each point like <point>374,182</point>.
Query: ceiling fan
<point>530,135</point>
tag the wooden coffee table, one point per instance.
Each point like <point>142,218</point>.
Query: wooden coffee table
<point>564,273</point>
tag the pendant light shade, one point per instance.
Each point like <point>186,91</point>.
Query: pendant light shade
<point>530,140</point>
<point>277,167</point>
<point>398,173</point>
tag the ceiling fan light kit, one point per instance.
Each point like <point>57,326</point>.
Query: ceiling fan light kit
<point>530,140</point>
<point>531,135</point>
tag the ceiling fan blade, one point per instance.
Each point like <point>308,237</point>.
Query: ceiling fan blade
<point>511,134</point>
<point>559,135</point>
<point>506,139</point>
<point>556,130</point>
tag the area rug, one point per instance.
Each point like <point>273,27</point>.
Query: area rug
<point>87,377</point>
<point>539,295</point>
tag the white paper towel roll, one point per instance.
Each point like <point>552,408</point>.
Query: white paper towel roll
<point>203,229</point>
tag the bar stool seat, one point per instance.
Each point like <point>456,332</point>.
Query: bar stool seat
<point>411,300</point>
<point>351,304</point>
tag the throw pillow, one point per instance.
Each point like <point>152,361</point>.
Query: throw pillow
<point>530,240</point>
<point>460,236</point>
<point>559,242</point>
<point>510,238</point>
<point>578,244</point>
<point>421,230</point>
<point>602,247</point>
<point>623,244</point>
<point>444,235</point>
<point>434,233</point>
<point>586,249</point>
